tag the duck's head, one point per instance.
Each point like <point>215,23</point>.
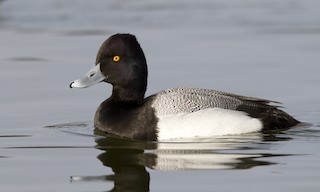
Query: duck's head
<point>121,62</point>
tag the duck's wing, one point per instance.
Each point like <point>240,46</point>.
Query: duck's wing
<point>186,100</point>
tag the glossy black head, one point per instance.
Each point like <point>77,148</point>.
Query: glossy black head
<point>123,63</point>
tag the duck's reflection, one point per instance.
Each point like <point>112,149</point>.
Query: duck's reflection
<point>129,159</point>
<point>129,173</point>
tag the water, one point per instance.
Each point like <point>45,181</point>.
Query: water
<point>264,48</point>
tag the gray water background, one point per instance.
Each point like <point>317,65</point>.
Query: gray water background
<point>262,48</point>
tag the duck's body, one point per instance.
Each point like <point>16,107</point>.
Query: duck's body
<point>173,113</point>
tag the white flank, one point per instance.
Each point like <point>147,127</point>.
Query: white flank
<point>206,123</point>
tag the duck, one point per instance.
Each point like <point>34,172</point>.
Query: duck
<point>175,113</point>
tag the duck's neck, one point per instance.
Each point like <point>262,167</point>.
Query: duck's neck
<point>128,93</point>
<point>133,90</point>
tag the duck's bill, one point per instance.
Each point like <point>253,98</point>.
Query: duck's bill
<point>92,77</point>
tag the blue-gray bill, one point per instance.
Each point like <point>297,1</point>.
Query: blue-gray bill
<point>90,78</point>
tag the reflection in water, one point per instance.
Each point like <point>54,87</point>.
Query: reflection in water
<point>129,174</point>
<point>232,152</point>
<point>129,159</point>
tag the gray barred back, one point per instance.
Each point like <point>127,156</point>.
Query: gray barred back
<point>186,100</point>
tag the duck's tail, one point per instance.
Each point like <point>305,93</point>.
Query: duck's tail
<point>276,119</point>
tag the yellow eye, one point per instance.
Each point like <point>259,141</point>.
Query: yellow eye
<point>116,58</point>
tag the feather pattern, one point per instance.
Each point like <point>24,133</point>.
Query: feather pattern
<point>186,100</point>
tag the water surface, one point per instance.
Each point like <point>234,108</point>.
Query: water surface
<point>264,48</point>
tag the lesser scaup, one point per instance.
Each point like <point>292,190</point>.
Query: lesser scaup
<point>172,113</point>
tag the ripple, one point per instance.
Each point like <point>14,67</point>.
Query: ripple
<point>69,125</point>
<point>86,32</point>
<point>28,59</point>
<point>12,136</point>
<point>48,147</point>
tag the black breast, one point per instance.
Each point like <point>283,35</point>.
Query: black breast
<point>133,120</point>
